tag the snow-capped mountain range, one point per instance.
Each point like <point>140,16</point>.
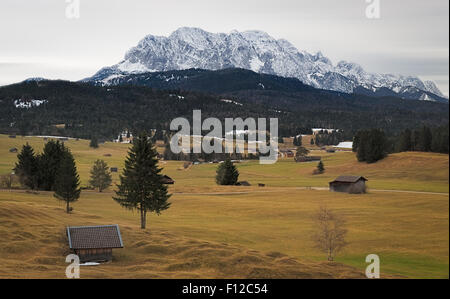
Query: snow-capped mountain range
<point>188,48</point>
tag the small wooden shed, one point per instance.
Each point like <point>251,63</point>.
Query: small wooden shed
<point>349,184</point>
<point>94,243</point>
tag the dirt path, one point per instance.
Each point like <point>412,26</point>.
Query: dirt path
<point>271,191</point>
<point>301,188</point>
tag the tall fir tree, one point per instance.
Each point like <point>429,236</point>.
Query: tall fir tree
<point>94,142</point>
<point>49,162</point>
<point>67,183</point>
<point>141,183</point>
<point>320,167</point>
<point>361,146</point>
<point>100,176</point>
<point>425,140</point>
<point>301,152</point>
<point>372,146</point>
<point>26,167</point>
<point>227,173</point>
<point>405,141</point>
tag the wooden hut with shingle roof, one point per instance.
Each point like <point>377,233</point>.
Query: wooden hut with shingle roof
<point>94,243</point>
<point>349,184</point>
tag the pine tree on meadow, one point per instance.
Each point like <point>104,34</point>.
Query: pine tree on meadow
<point>141,183</point>
<point>26,167</point>
<point>226,173</point>
<point>67,182</point>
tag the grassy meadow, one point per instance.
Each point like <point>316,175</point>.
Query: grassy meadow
<point>214,231</point>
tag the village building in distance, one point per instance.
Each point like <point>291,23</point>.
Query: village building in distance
<point>124,137</point>
<point>317,131</point>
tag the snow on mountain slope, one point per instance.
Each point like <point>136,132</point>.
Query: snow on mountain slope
<point>189,48</point>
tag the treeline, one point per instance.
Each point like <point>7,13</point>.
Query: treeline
<point>373,145</point>
<point>324,138</point>
<point>84,111</point>
<point>212,157</point>
<point>370,145</point>
<point>53,170</point>
<point>423,140</point>
<point>40,171</point>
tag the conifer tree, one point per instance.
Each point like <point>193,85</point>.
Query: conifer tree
<point>141,183</point>
<point>301,152</point>
<point>26,168</point>
<point>320,167</point>
<point>405,142</point>
<point>67,182</point>
<point>425,140</point>
<point>94,142</point>
<point>49,162</point>
<point>372,146</point>
<point>226,173</point>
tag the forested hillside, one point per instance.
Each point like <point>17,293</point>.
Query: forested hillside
<point>83,110</point>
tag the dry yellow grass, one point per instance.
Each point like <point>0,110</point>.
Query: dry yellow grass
<point>216,231</point>
<point>33,245</point>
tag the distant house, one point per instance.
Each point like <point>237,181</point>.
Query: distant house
<point>12,136</point>
<point>13,150</point>
<point>168,180</point>
<point>94,243</point>
<point>349,184</point>
<point>114,169</point>
<point>124,137</point>
<point>317,131</point>
<point>344,145</point>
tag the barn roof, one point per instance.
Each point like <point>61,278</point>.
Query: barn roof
<point>348,179</point>
<point>89,237</point>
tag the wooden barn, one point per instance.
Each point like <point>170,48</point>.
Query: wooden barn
<point>349,184</point>
<point>94,243</point>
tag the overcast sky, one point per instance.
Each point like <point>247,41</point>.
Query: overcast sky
<point>411,37</point>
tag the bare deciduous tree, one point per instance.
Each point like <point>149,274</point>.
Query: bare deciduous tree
<point>330,232</point>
